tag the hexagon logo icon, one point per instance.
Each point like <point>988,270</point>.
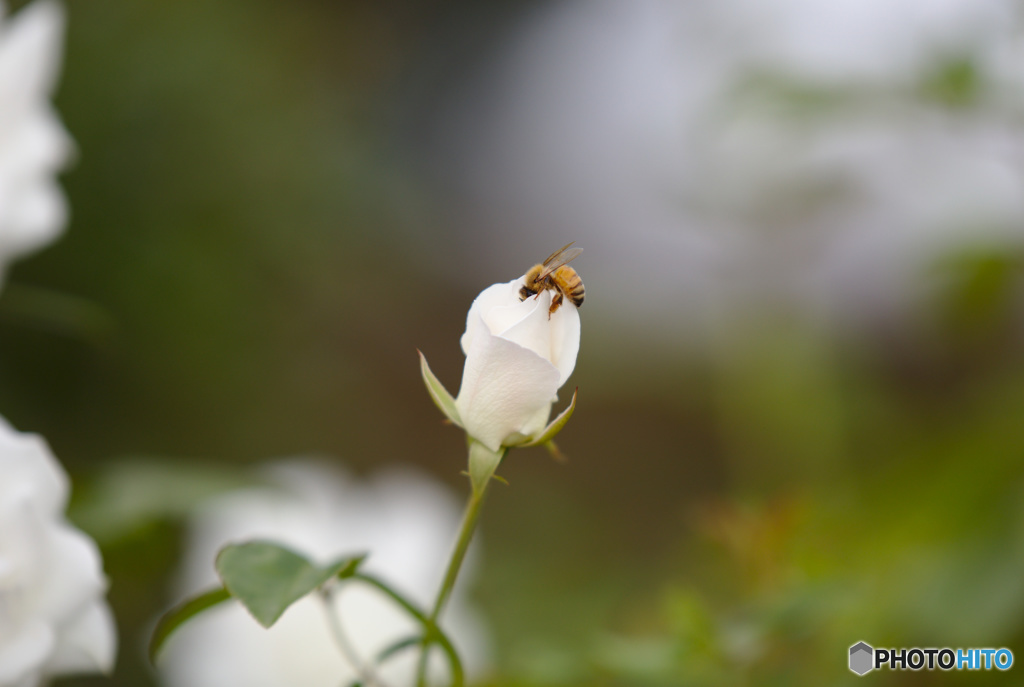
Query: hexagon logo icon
<point>861,658</point>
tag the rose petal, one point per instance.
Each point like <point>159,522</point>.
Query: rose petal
<point>531,329</point>
<point>21,656</point>
<point>73,577</point>
<point>36,219</point>
<point>26,460</point>
<point>537,422</point>
<point>504,386</point>
<point>494,296</point>
<point>30,51</point>
<point>565,340</point>
<point>87,643</point>
<point>527,323</point>
<point>34,145</point>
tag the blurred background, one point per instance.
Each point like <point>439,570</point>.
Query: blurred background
<point>801,411</point>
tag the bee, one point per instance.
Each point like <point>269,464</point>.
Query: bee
<point>555,274</point>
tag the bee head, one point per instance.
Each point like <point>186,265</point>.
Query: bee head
<point>525,293</point>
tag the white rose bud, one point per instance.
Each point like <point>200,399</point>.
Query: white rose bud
<point>518,355</point>
<point>516,360</point>
<point>53,616</point>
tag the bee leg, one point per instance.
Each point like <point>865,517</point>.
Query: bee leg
<point>556,302</point>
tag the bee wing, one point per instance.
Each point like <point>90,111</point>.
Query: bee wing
<point>562,256</point>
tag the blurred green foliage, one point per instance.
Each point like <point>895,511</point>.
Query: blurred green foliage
<point>242,279</point>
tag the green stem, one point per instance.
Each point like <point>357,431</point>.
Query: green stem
<point>469,521</point>
<point>429,628</point>
<point>482,463</point>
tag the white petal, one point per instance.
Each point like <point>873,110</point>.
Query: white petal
<point>26,460</point>
<point>33,146</point>
<point>526,324</point>
<point>503,388</point>
<point>52,616</point>
<point>88,643</point>
<point>565,340</point>
<point>21,657</point>
<point>73,577</point>
<point>35,219</point>
<point>538,422</point>
<point>494,296</point>
<point>30,51</point>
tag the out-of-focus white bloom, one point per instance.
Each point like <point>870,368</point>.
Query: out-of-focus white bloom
<point>33,143</point>
<point>722,157</point>
<point>53,616</point>
<point>404,520</point>
<point>517,357</point>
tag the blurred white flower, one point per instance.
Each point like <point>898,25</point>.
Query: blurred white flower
<point>405,521</point>
<point>517,357</point>
<point>53,616</point>
<point>727,157</point>
<point>33,143</point>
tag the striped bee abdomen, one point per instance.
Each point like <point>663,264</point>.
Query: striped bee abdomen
<point>570,284</point>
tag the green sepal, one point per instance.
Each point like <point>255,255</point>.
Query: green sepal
<point>555,426</point>
<point>442,399</point>
<point>349,565</point>
<point>465,473</point>
<point>555,452</point>
<point>174,618</point>
<point>268,578</point>
<point>482,464</point>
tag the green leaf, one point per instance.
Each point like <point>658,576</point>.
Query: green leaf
<point>268,578</point>
<point>556,425</point>
<point>174,618</point>
<point>442,399</point>
<point>482,464</point>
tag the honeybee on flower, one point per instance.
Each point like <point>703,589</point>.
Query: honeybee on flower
<point>555,274</point>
